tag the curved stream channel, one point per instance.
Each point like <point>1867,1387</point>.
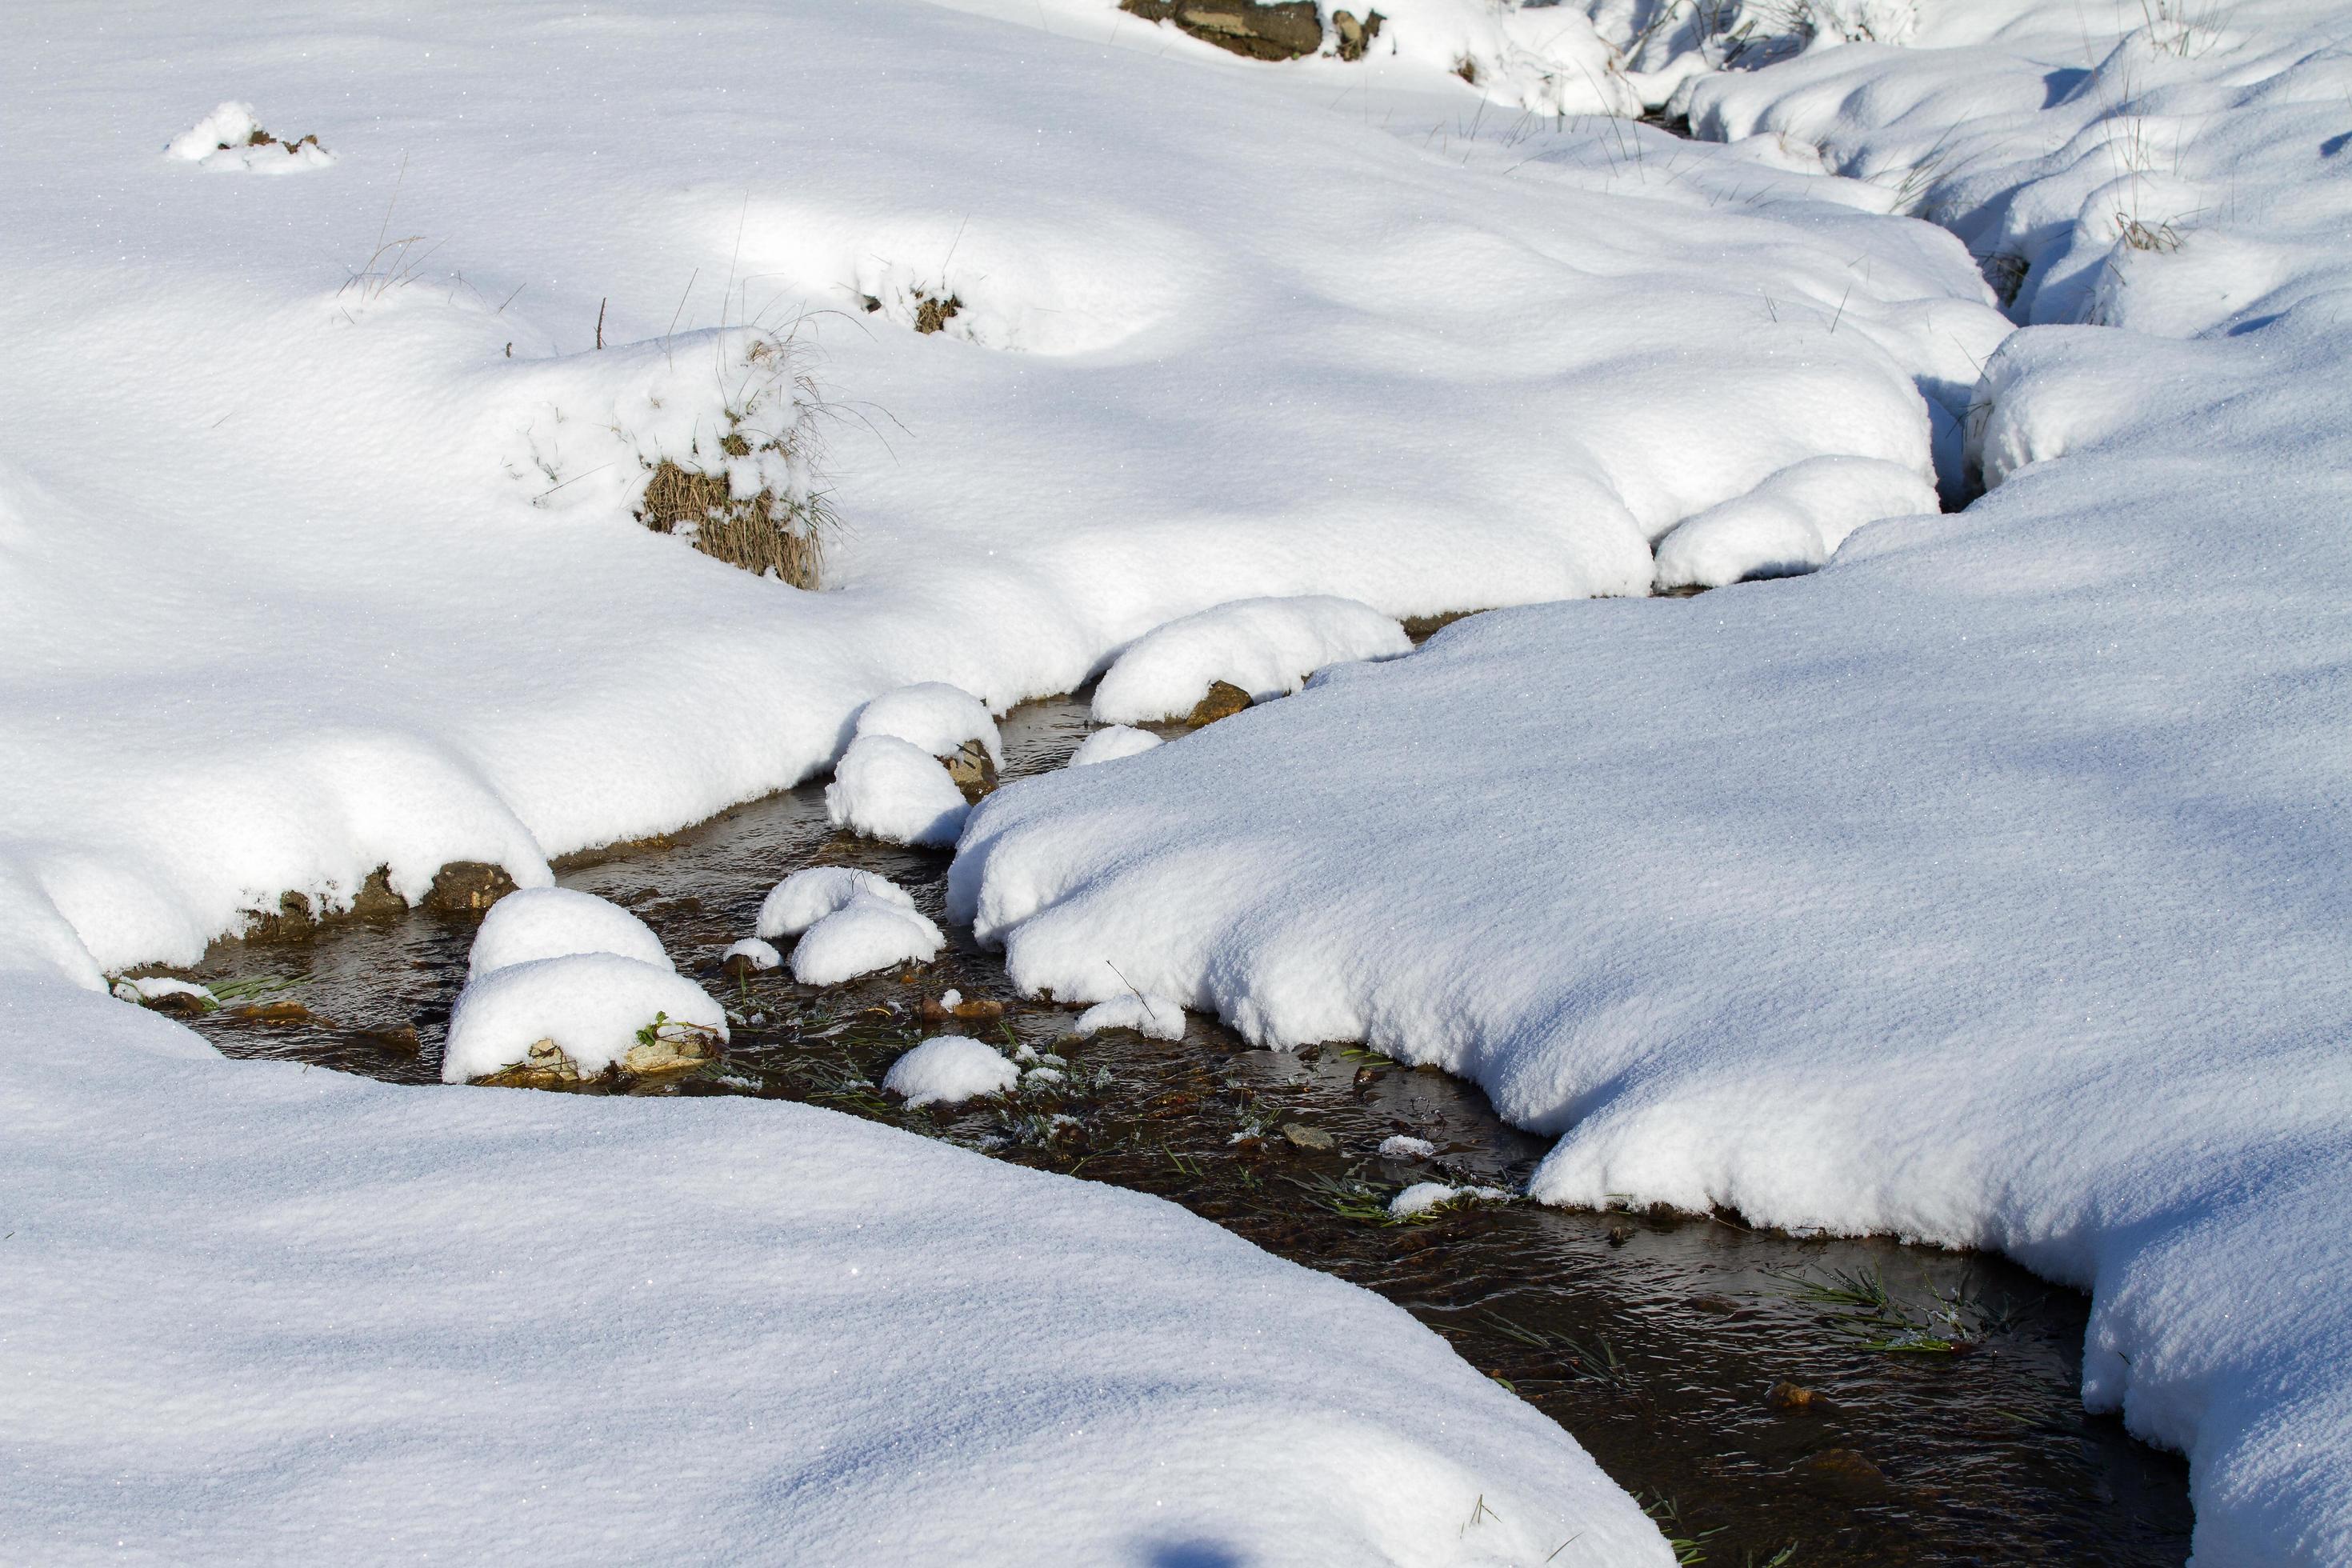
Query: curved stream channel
<point>1660,1341</point>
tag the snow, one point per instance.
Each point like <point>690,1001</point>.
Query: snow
<point>1425,1197</point>
<point>893,790</point>
<point>221,143</point>
<point>552,922</point>
<point>1111,744</point>
<point>1790,523</point>
<point>761,955</point>
<point>153,987</point>
<point>1984,887</point>
<point>1154,1017</point>
<point>1433,374</point>
<point>591,1004</point>
<point>808,895</point>
<point>865,934</point>
<point>948,1069</point>
<point>1404,1146</point>
<point>935,716</point>
<point>342,1294</point>
<point>1267,647</point>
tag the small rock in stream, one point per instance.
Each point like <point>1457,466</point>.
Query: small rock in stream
<point>467,887</point>
<point>1224,700</point>
<point>1314,1138</point>
<point>1838,1472</point>
<point>973,769</point>
<point>274,1013</point>
<point>1790,1398</point>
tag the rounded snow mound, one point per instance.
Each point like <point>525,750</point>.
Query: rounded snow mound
<point>591,1004</point>
<point>1111,744</point>
<point>806,897</point>
<point>862,936</point>
<point>761,955</point>
<point>933,715</point>
<point>1267,647</point>
<point>948,1069</point>
<point>1154,1017</point>
<point>1790,524</point>
<point>231,140</point>
<point>552,922</point>
<point>891,789</point>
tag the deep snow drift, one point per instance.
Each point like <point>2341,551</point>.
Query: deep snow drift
<point>1215,339</point>
<point>1989,887</point>
<point>258,1314</point>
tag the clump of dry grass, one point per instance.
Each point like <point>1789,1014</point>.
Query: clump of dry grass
<point>774,427</point>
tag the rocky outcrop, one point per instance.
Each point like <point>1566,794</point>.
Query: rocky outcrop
<point>1279,31</point>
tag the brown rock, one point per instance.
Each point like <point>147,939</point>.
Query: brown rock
<point>933,315</point>
<point>1282,30</point>
<point>1224,700</point>
<point>178,1003</point>
<point>1838,1472</point>
<point>273,1013</point>
<point>1313,1138</point>
<point>400,1039</point>
<point>1356,36</point>
<point>546,1065</point>
<point>980,1009</point>
<point>467,887</point>
<point>671,1050</point>
<point>1790,1398</point>
<point>973,770</point>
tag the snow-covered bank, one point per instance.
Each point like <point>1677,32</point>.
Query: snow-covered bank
<point>252,1313</point>
<point>282,607</point>
<point>1989,887</point>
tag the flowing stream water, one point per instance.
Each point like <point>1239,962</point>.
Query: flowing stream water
<point>1773,1398</point>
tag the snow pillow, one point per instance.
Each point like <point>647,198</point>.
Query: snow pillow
<point>1267,647</point>
<point>549,922</point>
<point>1790,523</point>
<point>893,790</point>
<point>862,936</point>
<point>1109,745</point>
<point>947,1069</point>
<point>805,898</point>
<point>936,716</point>
<point>1154,1017</point>
<point>591,1004</point>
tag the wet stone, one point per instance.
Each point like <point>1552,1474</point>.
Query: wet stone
<point>973,769</point>
<point>1312,1139</point>
<point>1224,700</point>
<point>467,887</point>
<point>1790,1398</point>
<point>1838,1472</point>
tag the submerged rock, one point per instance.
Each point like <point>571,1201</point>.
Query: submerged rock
<point>1838,1472</point>
<point>1790,1398</point>
<point>1310,1138</point>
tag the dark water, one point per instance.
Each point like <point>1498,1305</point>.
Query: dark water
<point>1656,1340</point>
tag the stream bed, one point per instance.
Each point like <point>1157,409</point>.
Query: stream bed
<point>1773,1398</point>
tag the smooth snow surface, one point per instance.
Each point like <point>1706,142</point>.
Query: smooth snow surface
<point>1112,742</point>
<point>256,1314</point>
<point>762,955</point>
<point>1267,647</point>
<point>933,715</point>
<point>948,1069</point>
<point>865,934</point>
<point>808,895</point>
<point>1155,1017</point>
<point>591,1004</point>
<point>551,923</point>
<point>893,790</point>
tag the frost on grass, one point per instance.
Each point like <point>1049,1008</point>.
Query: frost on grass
<point>949,1069</point>
<point>807,896</point>
<point>1155,1017</point>
<point>864,935</point>
<point>1791,522</point>
<point>1111,744</point>
<point>893,790</point>
<point>551,923</point>
<point>230,139</point>
<point>1267,647</point>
